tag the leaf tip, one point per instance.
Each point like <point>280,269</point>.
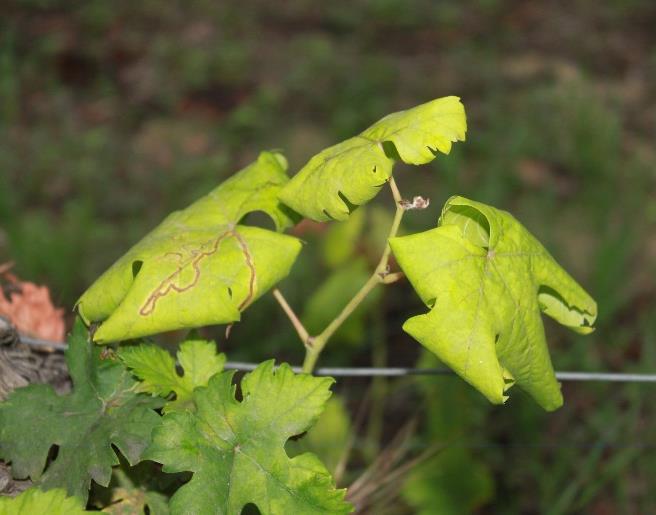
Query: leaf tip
<point>280,159</point>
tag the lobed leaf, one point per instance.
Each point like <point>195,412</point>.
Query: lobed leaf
<point>156,369</point>
<point>486,279</point>
<point>102,411</point>
<point>236,450</point>
<point>351,173</point>
<point>200,266</point>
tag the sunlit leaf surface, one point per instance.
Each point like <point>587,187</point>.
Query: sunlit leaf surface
<point>352,172</point>
<point>486,280</point>
<point>201,265</point>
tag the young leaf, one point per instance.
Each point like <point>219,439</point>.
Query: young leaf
<point>103,410</point>
<point>352,172</point>
<point>34,501</point>
<point>156,369</point>
<point>486,278</point>
<point>199,266</point>
<point>236,449</point>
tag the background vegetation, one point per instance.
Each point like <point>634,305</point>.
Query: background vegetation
<point>112,114</point>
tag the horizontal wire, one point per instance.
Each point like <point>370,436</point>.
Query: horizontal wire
<point>400,372</point>
<point>613,377</point>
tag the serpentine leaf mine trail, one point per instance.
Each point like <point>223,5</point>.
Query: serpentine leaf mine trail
<point>169,283</point>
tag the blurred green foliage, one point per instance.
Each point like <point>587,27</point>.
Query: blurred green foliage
<point>114,114</point>
<point>455,480</point>
<point>328,438</point>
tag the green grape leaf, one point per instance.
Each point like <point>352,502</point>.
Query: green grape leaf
<point>236,450</point>
<point>486,279</point>
<point>351,173</point>
<point>35,502</point>
<point>156,369</point>
<point>102,411</point>
<point>200,266</point>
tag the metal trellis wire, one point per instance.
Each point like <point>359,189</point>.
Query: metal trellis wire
<point>615,377</point>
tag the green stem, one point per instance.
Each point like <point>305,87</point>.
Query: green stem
<point>380,275</point>
<point>293,318</point>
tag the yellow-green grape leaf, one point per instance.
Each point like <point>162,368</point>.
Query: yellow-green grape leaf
<point>156,369</point>
<point>236,450</point>
<point>103,415</point>
<point>486,279</point>
<point>200,266</point>
<point>37,502</point>
<point>351,173</point>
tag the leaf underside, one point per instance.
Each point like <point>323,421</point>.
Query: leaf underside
<point>236,449</point>
<point>351,173</point>
<point>486,280</point>
<point>156,369</point>
<point>200,266</point>
<point>102,411</point>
